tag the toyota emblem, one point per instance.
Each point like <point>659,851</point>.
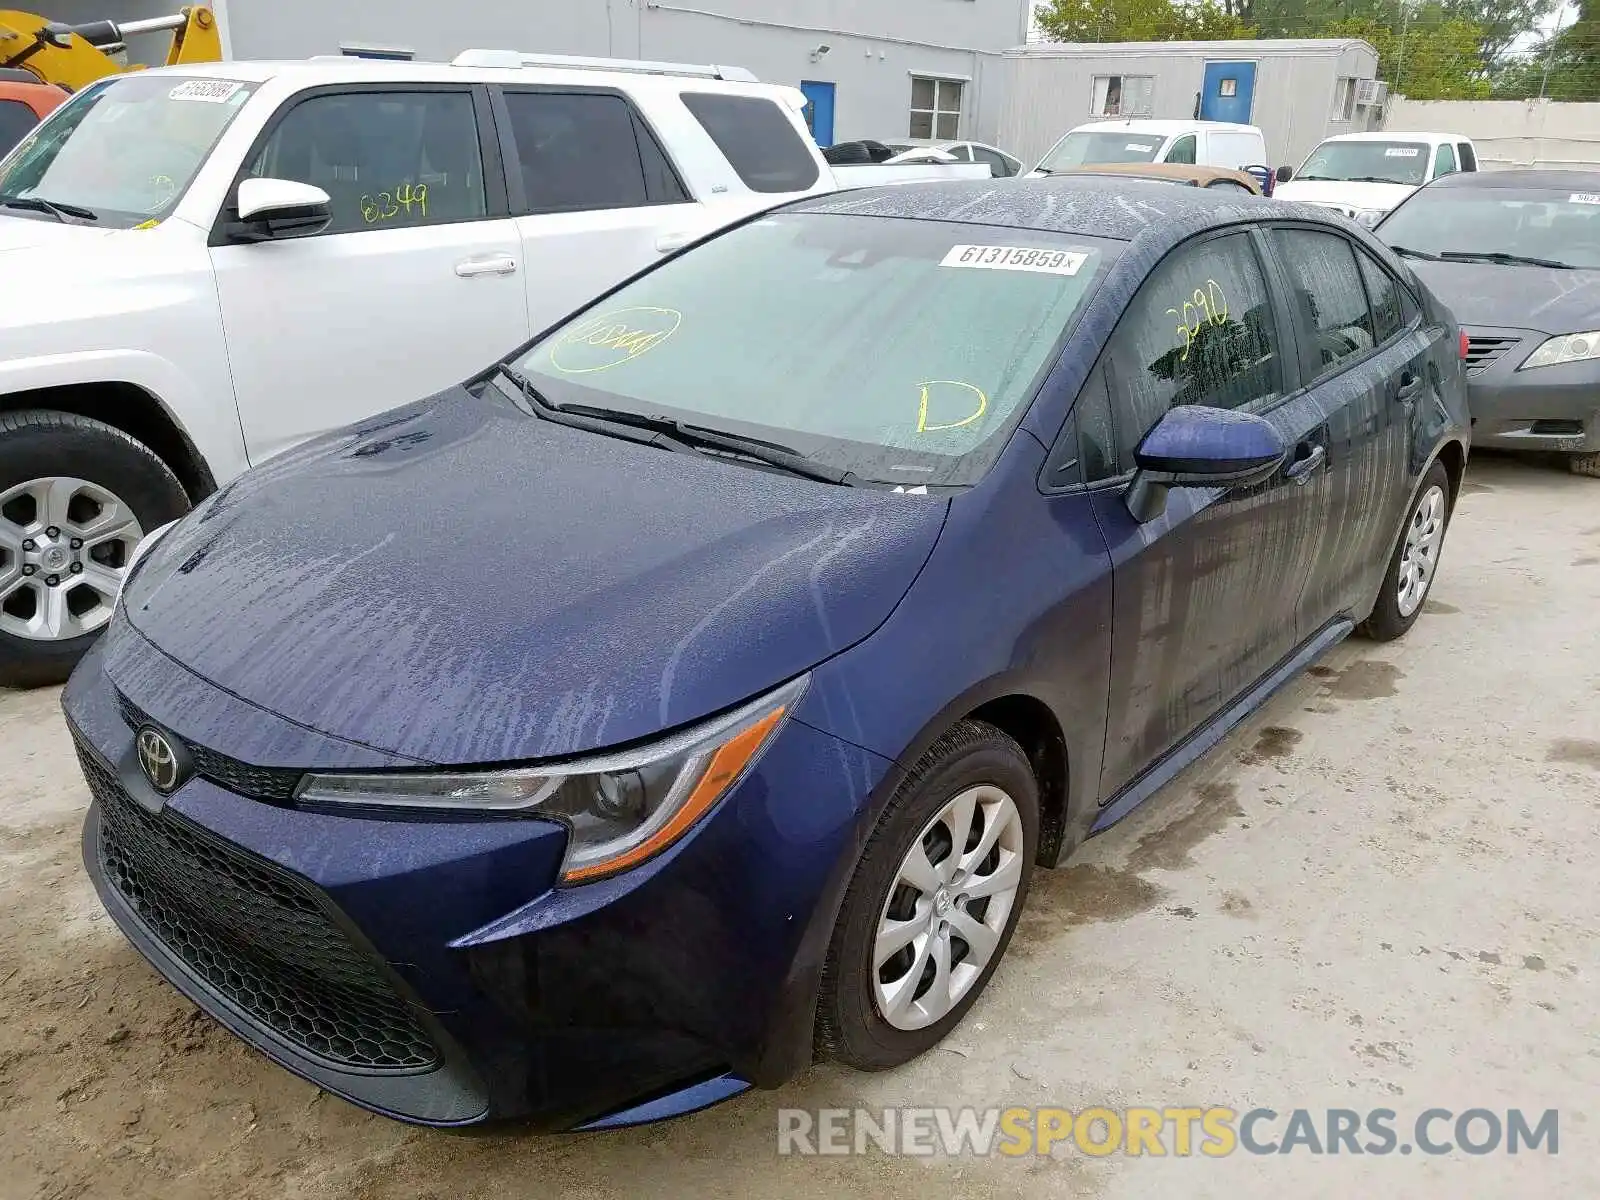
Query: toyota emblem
<point>158,760</point>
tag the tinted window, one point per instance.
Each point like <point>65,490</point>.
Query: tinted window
<point>1383,294</point>
<point>1444,160</point>
<point>1560,225</point>
<point>962,153</point>
<point>1200,331</point>
<point>1328,294</point>
<point>1182,150</point>
<point>16,118</point>
<point>386,159</point>
<point>757,139</point>
<point>1469,160</point>
<point>583,152</point>
<point>998,166</point>
<point>793,328</point>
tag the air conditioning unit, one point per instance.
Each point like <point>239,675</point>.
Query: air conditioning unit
<point>1371,93</point>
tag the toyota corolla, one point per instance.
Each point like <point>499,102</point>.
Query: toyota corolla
<point>696,692</point>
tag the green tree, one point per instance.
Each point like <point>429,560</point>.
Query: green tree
<point>1138,21</point>
<point>1430,56</point>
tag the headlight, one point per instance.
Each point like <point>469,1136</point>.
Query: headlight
<point>621,808</point>
<point>145,545</point>
<point>1566,348</point>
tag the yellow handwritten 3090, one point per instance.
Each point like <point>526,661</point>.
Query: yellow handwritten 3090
<point>386,206</point>
<point>1207,306</point>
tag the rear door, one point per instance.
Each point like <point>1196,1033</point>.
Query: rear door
<point>411,288</point>
<point>594,195</point>
<point>1207,593</point>
<point>1366,362</point>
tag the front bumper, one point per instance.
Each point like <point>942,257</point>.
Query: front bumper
<point>428,970</point>
<point>1548,408</point>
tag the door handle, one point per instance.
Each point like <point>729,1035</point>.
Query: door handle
<point>668,242</point>
<point>495,264</point>
<point>1302,469</point>
<point>1410,386</point>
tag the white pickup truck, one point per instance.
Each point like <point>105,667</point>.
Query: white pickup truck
<point>191,254</point>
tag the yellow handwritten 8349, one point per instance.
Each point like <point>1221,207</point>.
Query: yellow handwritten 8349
<point>386,206</point>
<point>1206,306</point>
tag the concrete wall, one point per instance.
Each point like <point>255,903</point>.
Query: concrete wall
<point>1509,133</point>
<point>1049,89</point>
<point>875,46</point>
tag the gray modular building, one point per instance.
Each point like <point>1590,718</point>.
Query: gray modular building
<point>1298,91</point>
<point>873,68</point>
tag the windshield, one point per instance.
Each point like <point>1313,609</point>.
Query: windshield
<point>1101,147</point>
<point>1380,162</point>
<point>896,349</point>
<point>1563,227</point>
<point>125,149</point>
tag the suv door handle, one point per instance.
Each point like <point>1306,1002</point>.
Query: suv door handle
<point>1410,386</point>
<point>1302,469</point>
<point>494,264</point>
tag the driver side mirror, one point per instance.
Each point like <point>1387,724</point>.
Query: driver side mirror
<point>1284,174</point>
<point>274,209</point>
<point>1196,446</point>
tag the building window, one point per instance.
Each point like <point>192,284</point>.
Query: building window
<point>1123,96</point>
<point>935,108</point>
<point>1344,98</point>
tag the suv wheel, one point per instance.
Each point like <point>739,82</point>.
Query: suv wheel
<point>933,902</point>
<point>76,496</point>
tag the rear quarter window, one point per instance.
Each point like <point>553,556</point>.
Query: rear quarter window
<point>757,139</point>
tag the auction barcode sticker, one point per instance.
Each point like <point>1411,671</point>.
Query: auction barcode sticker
<point>1015,258</point>
<point>211,91</point>
<point>1583,198</point>
<point>1401,152</point>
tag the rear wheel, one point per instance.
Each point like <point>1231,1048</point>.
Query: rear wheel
<point>76,495</point>
<point>1415,561</point>
<point>933,903</point>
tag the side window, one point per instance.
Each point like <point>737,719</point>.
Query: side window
<point>386,159</point>
<point>997,163</point>
<point>16,118</point>
<point>1182,150</point>
<point>1200,331</point>
<point>1469,160</point>
<point>582,151</point>
<point>1328,294</point>
<point>962,152</point>
<point>1383,294</point>
<point>1444,160</point>
<point>1097,442</point>
<point>757,139</point>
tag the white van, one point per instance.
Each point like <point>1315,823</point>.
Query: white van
<point>1365,175</point>
<point>1207,143</point>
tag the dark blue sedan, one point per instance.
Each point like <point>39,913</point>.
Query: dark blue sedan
<point>697,691</point>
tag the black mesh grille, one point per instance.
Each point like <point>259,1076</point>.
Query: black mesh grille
<point>262,937</point>
<point>273,784</point>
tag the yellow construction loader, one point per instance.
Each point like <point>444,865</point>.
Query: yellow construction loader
<point>71,56</point>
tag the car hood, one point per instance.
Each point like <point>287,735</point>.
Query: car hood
<point>458,582</point>
<point>19,232</point>
<point>1509,297</point>
<point>1344,193</point>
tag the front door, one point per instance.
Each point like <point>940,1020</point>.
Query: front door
<point>413,286</point>
<point>819,110</point>
<point>1228,92</point>
<point>1207,592</point>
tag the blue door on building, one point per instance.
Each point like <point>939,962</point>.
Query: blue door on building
<point>1229,92</point>
<point>819,110</point>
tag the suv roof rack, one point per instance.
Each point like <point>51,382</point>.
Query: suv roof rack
<point>502,59</point>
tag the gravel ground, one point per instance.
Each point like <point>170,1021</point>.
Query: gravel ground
<point>1380,893</point>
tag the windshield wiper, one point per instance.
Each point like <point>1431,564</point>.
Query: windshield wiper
<point>1368,179</point>
<point>54,207</point>
<point>1499,256</point>
<point>538,405</point>
<point>1408,252</point>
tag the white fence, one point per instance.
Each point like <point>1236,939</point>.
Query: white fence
<point>1509,133</point>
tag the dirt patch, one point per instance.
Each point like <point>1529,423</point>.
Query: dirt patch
<point>1582,752</point>
<point>1078,896</point>
<point>1366,679</point>
<point>1167,848</point>
<point>1588,560</point>
<point>1471,486</point>
<point>1441,608</point>
<point>1275,741</point>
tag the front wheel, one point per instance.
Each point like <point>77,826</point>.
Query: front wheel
<point>1415,561</point>
<point>933,902</point>
<point>76,495</point>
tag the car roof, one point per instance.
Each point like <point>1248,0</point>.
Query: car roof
<point>1392,135</point>
<point>1195,172</point>
<point>1134,210</point>
<point>1166,128</point>
<point>1533,180</point>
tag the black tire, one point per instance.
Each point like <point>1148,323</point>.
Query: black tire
<point>1386,622</point>
<point>37,443</point>
<point>849,1028</point>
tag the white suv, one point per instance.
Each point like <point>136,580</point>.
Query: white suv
<point>193,253</point>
